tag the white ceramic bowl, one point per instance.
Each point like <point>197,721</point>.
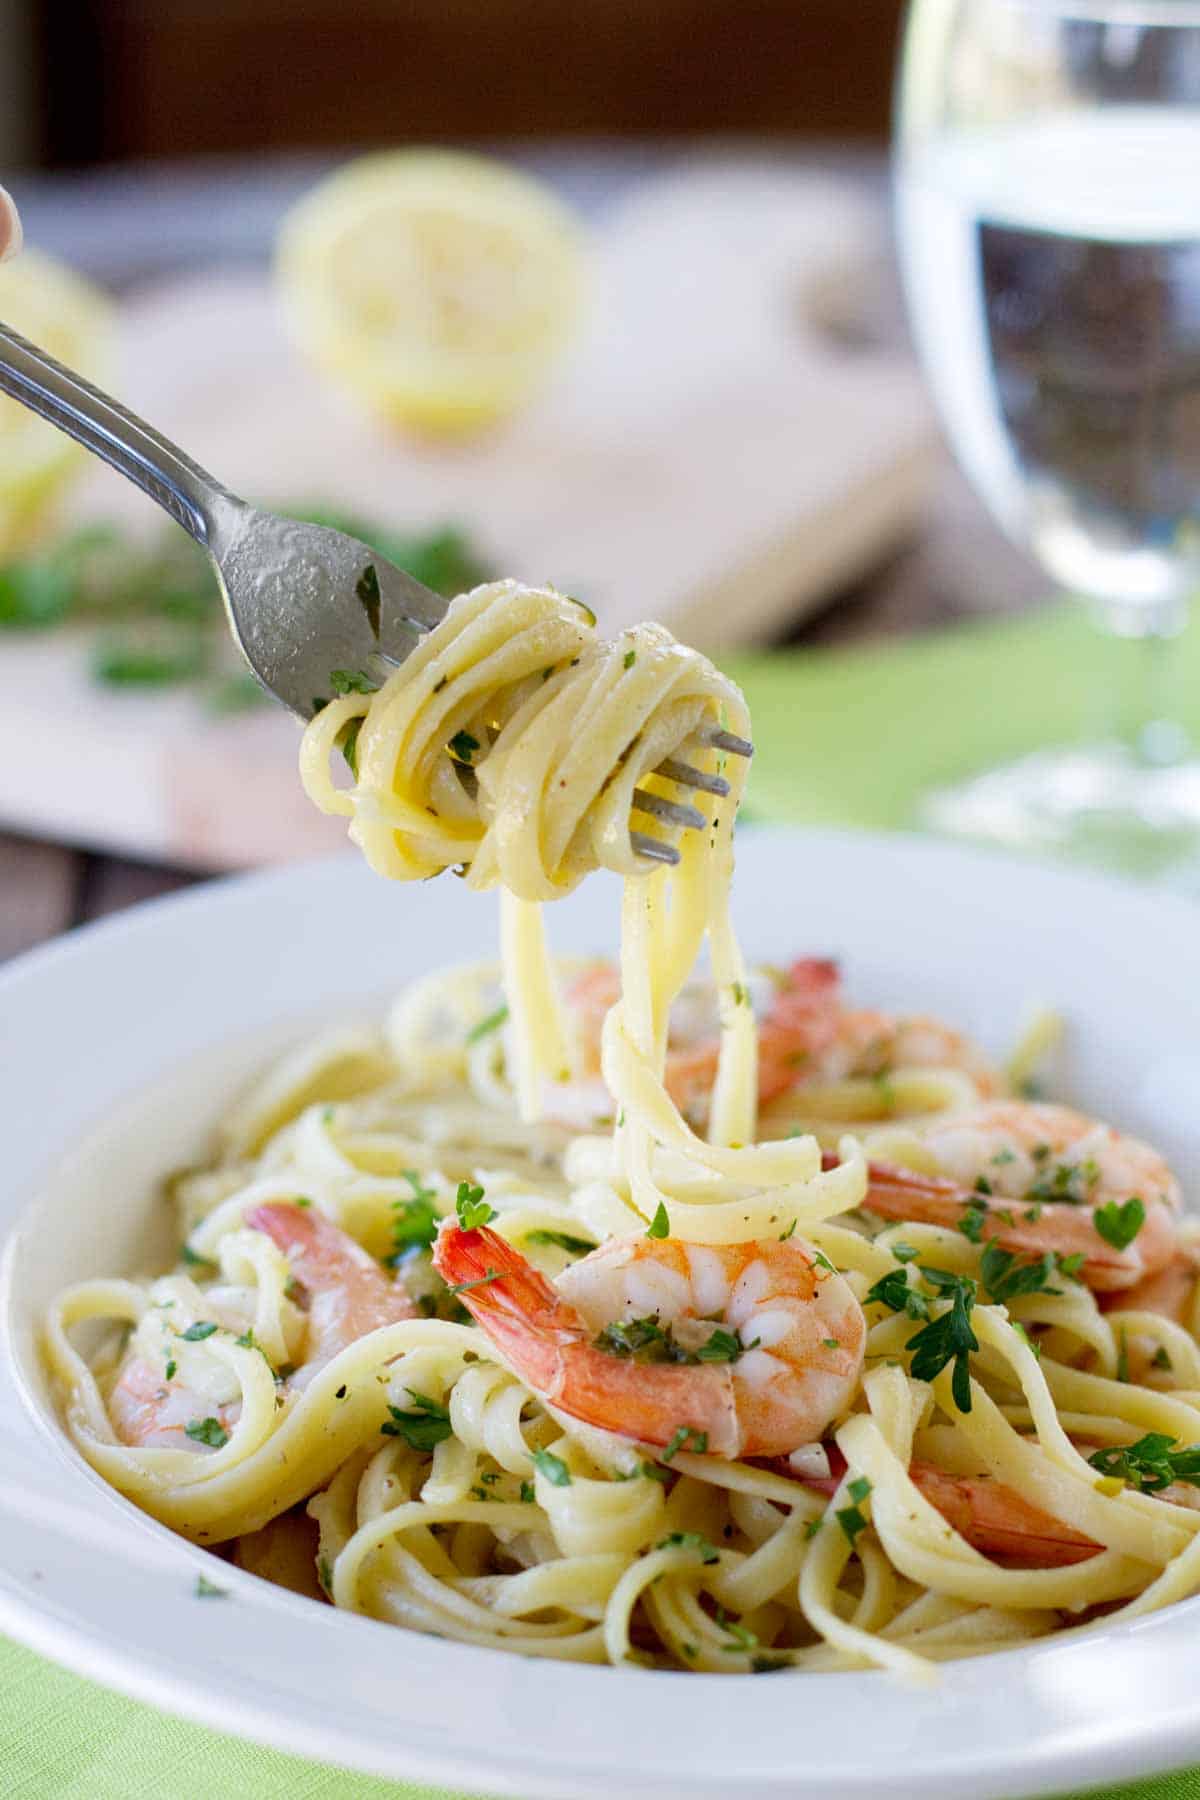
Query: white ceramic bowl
<point>120,1045</point>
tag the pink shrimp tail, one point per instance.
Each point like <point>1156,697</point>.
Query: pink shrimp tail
<point>509,1299</point>
<point>998,1521</point>
<point>992,1517</point>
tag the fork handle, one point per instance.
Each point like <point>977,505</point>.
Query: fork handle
<point>95,420</point>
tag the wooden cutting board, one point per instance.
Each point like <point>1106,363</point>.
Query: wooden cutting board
<point>711,455</point>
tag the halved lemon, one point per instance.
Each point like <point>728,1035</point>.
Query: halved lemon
<point>438,287</point>
<point>64,314</point>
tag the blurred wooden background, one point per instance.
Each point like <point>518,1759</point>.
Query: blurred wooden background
<point>131,78</point>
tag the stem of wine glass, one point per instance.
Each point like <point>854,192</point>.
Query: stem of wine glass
<point>1143,664</point>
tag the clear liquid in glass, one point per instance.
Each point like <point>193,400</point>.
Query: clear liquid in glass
<point>1053,272</point>
<point>1052,268</point>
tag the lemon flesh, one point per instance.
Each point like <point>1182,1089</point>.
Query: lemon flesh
<point>438,288</point>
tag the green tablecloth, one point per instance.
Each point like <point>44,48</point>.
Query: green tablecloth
<point>853,737</point>
<point>843,738</point>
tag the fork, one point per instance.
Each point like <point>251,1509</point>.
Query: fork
<point>302,600</point>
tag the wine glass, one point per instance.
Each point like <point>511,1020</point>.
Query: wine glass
<point>1047,180</point>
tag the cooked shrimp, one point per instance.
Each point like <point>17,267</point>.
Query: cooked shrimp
<point>148,1411</point>
<point>992,1517</point>
<point>1168,1291</point>
<point>800,1026</point>
<point>806,1032</point>
<point>166,1382</point>
<point>1032,1176</point>
<point>765,1347</point>
<point>345,1293</point>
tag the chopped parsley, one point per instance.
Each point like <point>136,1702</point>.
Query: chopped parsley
<point>679,1441</point>
<point>646,1341</point>
<point>208,1590</point>
<point>903,1253</point>
<point>552,1467</point>
<point>172,1365</point>
<point>947,1341</point>
<point>740,1637</point>
<point>366,589</point>
<point>492,1022</point>
<point>1122,1355</point>
<point>690,1540</point>
<point>973,1219</point>
<point>208,1431</point>
<point>1005,1279</point>
<point>350,681</point>
<point>790,1232</point>
<point>414,1222</point>
<point>325,1573</point>
<point>831,1343</point>
<point>472,1209</point>
<point>893,1290</point>
<point>463,746</point>
<point>192,1260</point>
<point>1160,1359</point>
<point>812,1526</point>
<point>527,1493</point>
<point>1151,1464</point>
<point>561,1240</point>
<point>467,1287</point>
<point>196,1334</point>
<point>1071,1183</point>
<point>348,745</point>
<point>823,1262</point>
<point>631,1337</point>
<point>660,1225</point>
<point>630,658</point>
<point>248,1341</point>
<point>722,1346</point>
<point>1119,1224</point>
<point>885,1093</point>
<point>851,1520</point>
<point>422,1426</point>
<point>741,995</point>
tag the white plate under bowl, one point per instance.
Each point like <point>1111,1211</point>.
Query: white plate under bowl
<point>119,1046</point>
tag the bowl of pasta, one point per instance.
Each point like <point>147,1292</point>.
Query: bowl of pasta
<point>592,1324</point>
<point>454,1358</point>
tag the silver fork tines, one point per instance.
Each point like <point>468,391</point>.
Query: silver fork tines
<point>653,848</point>
<point>669,811</point>
<point>687,776</point>
<point>725,740</point>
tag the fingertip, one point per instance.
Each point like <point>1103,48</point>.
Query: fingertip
<point>11,232</point>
